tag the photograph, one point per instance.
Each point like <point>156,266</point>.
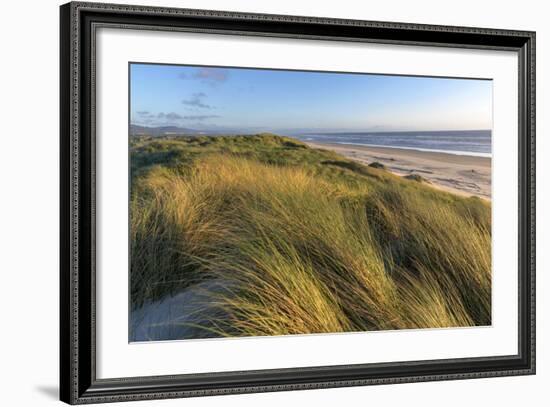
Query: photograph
<point>269,202</point>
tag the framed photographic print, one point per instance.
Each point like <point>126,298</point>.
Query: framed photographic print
<point>256,203</point>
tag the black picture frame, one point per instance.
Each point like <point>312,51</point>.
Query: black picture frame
<point>78,382</point>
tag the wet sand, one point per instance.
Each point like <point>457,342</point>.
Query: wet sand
<point>460,174</point>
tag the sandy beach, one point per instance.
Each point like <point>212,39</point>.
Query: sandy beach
<point>460,174</point>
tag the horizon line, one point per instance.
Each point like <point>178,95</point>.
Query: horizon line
<point>325,131</point>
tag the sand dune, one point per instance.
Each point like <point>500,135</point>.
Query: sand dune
<point>460,174</point>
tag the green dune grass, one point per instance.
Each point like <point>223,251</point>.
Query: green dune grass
<point>305,240</point>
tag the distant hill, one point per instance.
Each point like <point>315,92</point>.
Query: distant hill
<point>136,130</point>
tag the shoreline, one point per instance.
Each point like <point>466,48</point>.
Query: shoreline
<point>465,175</point>
<point>425,150</point>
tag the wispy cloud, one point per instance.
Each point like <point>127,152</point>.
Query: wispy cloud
<point>156,119</point>
<point>197,100</point>
<point>212,76</point>
<point>169,116</point>
<point>201,117</point>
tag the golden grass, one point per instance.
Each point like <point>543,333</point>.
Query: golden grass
<point>301,253</point>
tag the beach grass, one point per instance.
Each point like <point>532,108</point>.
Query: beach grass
<point>303,239</point>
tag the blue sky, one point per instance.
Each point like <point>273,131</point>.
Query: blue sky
<point>251,100</point>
